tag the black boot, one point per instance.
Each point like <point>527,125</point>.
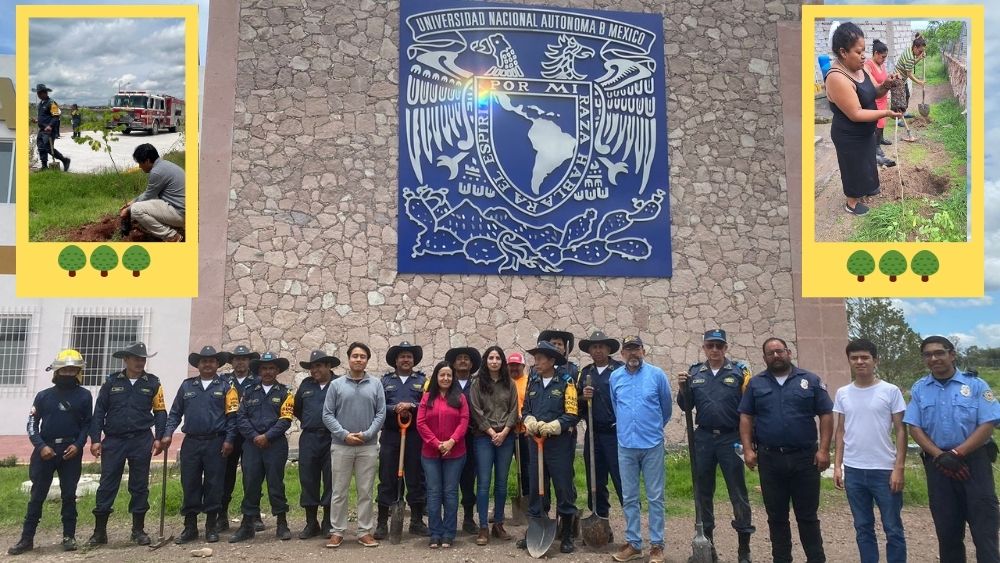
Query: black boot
<point>69,543</point>
<point>743,552</point>
<point>522,543</point>
<point>881,138</point>
<point>139,535</point>
<point>281,529</point>
<point>190,532</point>
<point>26,543</point>
<point>212,527</point>
<point>65,162</point>
<point>245,531</point>
<point>469,525</point>
<point>326,527</point>
<point>417,526</point>
<point>382,524</point>
<point>222,522</point>
<point>566,546</point>
<point>312,526</point>
<point>258,523</point>
<point>100,535</point>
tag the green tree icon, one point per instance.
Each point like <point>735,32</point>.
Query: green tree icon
<point>861,264</point>
<point>925,264</point>
<point>104,258</point>
<point>72,259</point>
<point>135,258</point>
<point>892,264</point>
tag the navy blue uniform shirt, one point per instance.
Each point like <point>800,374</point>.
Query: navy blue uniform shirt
<point>784,415</point>
<point>557,401</point>
<point>604,411</point>
<point>60,413</point>
<point>206,411</point>
<point>267,413</point>
<point>398,392</point>
<point>309,401</point>
<point>716,397</point>
<point>124,407</point>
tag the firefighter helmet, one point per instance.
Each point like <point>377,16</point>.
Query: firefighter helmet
<point>68,358</point>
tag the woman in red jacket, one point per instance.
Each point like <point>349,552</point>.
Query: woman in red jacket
<point>442,420</point>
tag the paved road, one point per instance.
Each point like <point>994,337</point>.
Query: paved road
<point>87,160</point>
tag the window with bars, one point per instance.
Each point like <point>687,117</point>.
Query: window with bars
<point>7,172</point>
<point>96,337</point>
<point>15,333</point>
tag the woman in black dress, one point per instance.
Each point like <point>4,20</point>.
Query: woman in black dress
<point>852,93</point>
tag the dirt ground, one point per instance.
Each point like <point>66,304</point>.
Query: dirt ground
<point>838,534</point>
<point>833,224</point>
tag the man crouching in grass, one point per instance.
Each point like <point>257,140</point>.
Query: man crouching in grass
<point>159,210</point>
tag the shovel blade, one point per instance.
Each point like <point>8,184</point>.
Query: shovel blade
<point>396,511</point>
<point>596,531</point>
<point>925,110</point>
<point>541,534</point>
<point>701,550</point>
<point>161,542</point>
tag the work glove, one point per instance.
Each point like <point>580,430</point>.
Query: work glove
<point>549,428</point>
<point>531,424</point>
<point>951,464</point>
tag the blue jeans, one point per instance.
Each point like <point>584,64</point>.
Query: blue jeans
<point>865,487</point>
<point>647,462</point>
<point>442,489</point>
<point>492,464</point>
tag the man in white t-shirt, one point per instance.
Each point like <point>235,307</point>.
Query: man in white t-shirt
<point>870,460</point>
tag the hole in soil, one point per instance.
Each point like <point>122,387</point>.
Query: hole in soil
<point>917,182</point>
<point>105,230</point>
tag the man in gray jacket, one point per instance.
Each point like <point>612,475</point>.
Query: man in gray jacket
<point>354,413</point>
<point>160,209</point>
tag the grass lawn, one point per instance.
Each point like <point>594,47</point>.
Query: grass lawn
<point>62,202</point>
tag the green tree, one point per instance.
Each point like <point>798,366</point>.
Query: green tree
<point>942,34</point>
<point>882,322</point>
<point>861,264</point>
<point>892,264</point>
<point>104,258</point>
<point>72,259</point>
<point>135,258</point>
<point>925,264</point>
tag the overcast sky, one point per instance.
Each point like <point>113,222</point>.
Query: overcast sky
<point>84,60</point>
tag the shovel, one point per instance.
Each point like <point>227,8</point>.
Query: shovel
<point>519,504</point>
<point>909,134</point>
<point>701,548</point>
<point>162,541</point>
<point>397,508</point>
<point>925,110</point>
<point>595,529</point>
<point>542,529</point>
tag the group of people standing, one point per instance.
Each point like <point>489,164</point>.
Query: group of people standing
<point>460,429</point>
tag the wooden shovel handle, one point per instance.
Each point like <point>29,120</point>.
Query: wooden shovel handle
<point>404,422</point>
<point>540,442</point>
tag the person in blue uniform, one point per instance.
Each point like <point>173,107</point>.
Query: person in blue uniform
<point>563,342</point>
<point>240,379</point>
<point>714,388</point>
<point>594,386</point>
<point>404,388</point>
<point>128,404</point>
<point>778,427</point>
<point>264,416</point>
<point>951,416</point>
<point>57,427</point>
<point>465,362</point>
<point>208,405</point>
<point>550,411</point>
<point>48,118</point>
<point>314,443</point>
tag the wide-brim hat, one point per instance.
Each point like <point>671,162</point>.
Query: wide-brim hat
<point>269,358</point>
<point>242,351</point>
<point>598,337</point>
<point>404,346</point>
<point>208,352</point>
<point>42,88</point>
<point>567,337</point>
<point>543,347</point>
<point>137,349</point>
<point>318,356</point>
<point>473,354</point>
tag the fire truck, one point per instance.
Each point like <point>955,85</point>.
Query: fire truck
<point>141,110</point>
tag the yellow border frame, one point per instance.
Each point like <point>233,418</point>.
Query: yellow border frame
<point>824,264</point>
<point>173,271</point>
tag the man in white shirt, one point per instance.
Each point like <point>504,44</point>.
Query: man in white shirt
<point>870,461</point>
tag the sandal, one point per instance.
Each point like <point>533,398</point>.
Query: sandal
<point>434,543</point>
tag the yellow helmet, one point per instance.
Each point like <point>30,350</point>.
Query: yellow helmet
<point>68,358</point>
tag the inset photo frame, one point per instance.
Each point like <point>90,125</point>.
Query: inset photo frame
<point>892,151</point>
<point>107,159</point>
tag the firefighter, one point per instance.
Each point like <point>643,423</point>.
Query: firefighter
<point>57,427</point>
<point>563,341</point>
<point>264,416</point>
<point>48,128</point>
<point>403,389</point>
<point>240,379</point>
<point>314,442</point>
<point>128,404</point>
<point>208,404</point>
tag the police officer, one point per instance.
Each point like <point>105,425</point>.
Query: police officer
<point>240,379</point>
<point>595,386</point>
<point>550,411</point>
<point>265,415</point>
<point>714,389</point>
<point>464,362</point>
<point>314,442</point>
<point>128,403</point>
<point>208,405</point>
<point>48,128</point>
<point>403,389</point>
<point>778,427</point>
<point>57,427</point>
<point>563,341</point>
<point>951,416</point>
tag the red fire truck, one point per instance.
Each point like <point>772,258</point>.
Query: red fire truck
<point>141,110</point>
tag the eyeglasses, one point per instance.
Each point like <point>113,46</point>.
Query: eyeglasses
<point>776,353</point>
<point>934,354</point>
<point>714,345</point>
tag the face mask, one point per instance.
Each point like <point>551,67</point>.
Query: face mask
<point>65,381</point>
